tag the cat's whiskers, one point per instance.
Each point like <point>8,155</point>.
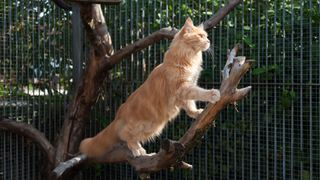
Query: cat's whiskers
<point>210,51</point>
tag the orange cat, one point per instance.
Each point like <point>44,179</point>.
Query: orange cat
<point>171,86</point>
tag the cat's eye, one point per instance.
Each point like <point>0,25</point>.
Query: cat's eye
<point>202,35</point>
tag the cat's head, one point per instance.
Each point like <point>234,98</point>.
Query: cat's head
<point>194,37</point>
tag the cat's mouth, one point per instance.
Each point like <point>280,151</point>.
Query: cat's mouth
<point>206,47</point>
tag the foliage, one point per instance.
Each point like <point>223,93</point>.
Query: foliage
<point>37,56</point>
<point>287,98</point>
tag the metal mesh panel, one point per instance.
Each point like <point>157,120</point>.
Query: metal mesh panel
<point>35,76</point>
<point>276,134</point>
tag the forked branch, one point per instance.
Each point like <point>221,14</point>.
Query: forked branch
<point>172,153</point>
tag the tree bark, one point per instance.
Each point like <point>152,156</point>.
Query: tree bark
<point>88,90</point>
<point>28,131</point>
<point>62,4</point>
<point>31,133</point>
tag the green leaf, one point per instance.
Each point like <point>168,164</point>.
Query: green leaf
<point>4,91</point>
<point>207,13</point>
<point>248,41</point>
<point>292,94</point>
<point>287,98</point>
<point>247,28</point>
<point>265,69</point>
<point>306,175</point>
<point>270,11</point>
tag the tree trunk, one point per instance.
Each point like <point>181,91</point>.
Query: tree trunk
<point>88,90</point>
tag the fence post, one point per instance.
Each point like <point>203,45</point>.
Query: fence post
<point>76,43</point>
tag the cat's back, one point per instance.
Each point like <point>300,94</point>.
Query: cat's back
<point>155,97</point>
<point>158,86</point>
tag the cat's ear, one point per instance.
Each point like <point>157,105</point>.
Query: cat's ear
<point>201,26</point>
<point>187,27</point>
<point>188,22</point>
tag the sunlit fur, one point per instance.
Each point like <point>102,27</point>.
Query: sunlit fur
<point>171,86</point>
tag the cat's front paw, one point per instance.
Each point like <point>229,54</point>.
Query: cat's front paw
<point>214,96</point>
<point>139,152</point>
<point>199,111</point>
<point>194,113</point>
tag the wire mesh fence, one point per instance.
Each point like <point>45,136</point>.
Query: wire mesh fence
<point>35,73</point>
<point>275,135</point>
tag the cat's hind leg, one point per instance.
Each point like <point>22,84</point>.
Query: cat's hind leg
<point>136,148</point>
<point>132,134</point>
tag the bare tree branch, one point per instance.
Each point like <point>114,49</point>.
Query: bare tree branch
<point>171,152</point>
<point>214,20</point>
<point>96,29</point>
<point>67,168</point>
<point>31,133</point>
<point>118,56</point>
<point>240,93</point>
<point>62,4</point>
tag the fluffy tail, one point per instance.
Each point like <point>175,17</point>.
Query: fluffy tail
<point>97,147</point>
